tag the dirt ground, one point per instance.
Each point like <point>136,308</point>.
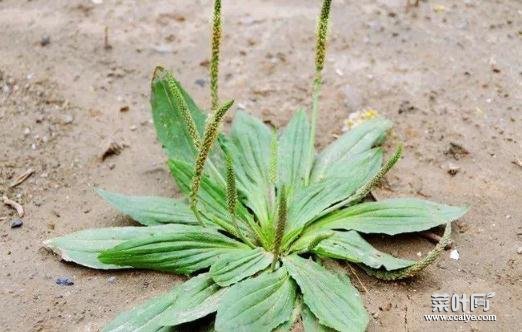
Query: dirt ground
<point>448,72</point>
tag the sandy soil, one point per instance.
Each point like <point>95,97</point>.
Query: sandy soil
<point>446,72</point>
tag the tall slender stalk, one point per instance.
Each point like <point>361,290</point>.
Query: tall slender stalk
<point>320,55</point>
<point>214,59</point>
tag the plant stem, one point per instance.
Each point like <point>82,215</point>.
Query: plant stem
<point>320,54</point>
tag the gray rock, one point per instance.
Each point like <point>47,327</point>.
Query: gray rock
<point>16,223</point>
<point>45,40</point>
<point>64,281</point>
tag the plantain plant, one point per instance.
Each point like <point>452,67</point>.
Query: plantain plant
<point>264,219</point>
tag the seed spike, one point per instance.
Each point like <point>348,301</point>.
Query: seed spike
<point>183,109</point>
<point>232,192</point>
<point>210,136</point>
<point>322,33</point>
<point>281,224</point>
<point>320,55</point>
<point>320,237</point>
<point>214,59</point>
<point>365,189</point>
<point>414,269</point>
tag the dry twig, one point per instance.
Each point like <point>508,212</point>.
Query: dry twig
<point>22,178</point>
<point>19,208</point>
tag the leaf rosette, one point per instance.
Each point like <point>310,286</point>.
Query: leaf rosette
<point>261,213</point>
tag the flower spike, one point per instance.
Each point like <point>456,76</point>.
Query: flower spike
<point>184,111</point>
<point>214,59</point>
<point>281,223</point>
<point>320,55</point>
<point>210,136</point>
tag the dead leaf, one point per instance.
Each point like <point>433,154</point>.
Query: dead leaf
<point>114,148</point>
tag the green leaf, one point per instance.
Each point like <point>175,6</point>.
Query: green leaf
<point>362,165</point>
<point>352,247</point>
<point>314,201</point>
<point>311,323</point>
<point>212,197</point>
<point>294,151</point>
<point>144,317</point>
<point>83,247</point>
<point>231,268</point>
<point>150,210</point>
<point>289,324</point>
<point>391,216</point>
<point>250,142</point>
<point>170,128</point>
<point>357,140</point>
<point>185,251</point>
<point>331,298</point>
<point>197,297</point>
<point>259,304</point>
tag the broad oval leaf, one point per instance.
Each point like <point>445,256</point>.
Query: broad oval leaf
<point>150,210</point>
<point>250,141</point>
<point>294,151</point>
<point>391,216</point>
<point>363,165</point>
<point>311,323</point>
<point>258,304</point>
<point>168,120</point>
<point>83,247</point>
<point>197,297</point>
<point>144,317</point>
<point>357,140</point>
<point>332,299</point>
<point>231,268</point>
<point>352,247</point>
<point>185,251</point>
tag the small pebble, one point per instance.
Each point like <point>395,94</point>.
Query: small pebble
<point>453,169</point>
<point>68,119</point>
<point>454,254</point>
<point>64,281</point>
<point>200,82</point>
<point>111,280</point>
<point>45,40</point>
<point>15,223</point>
<point>519,250</point>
